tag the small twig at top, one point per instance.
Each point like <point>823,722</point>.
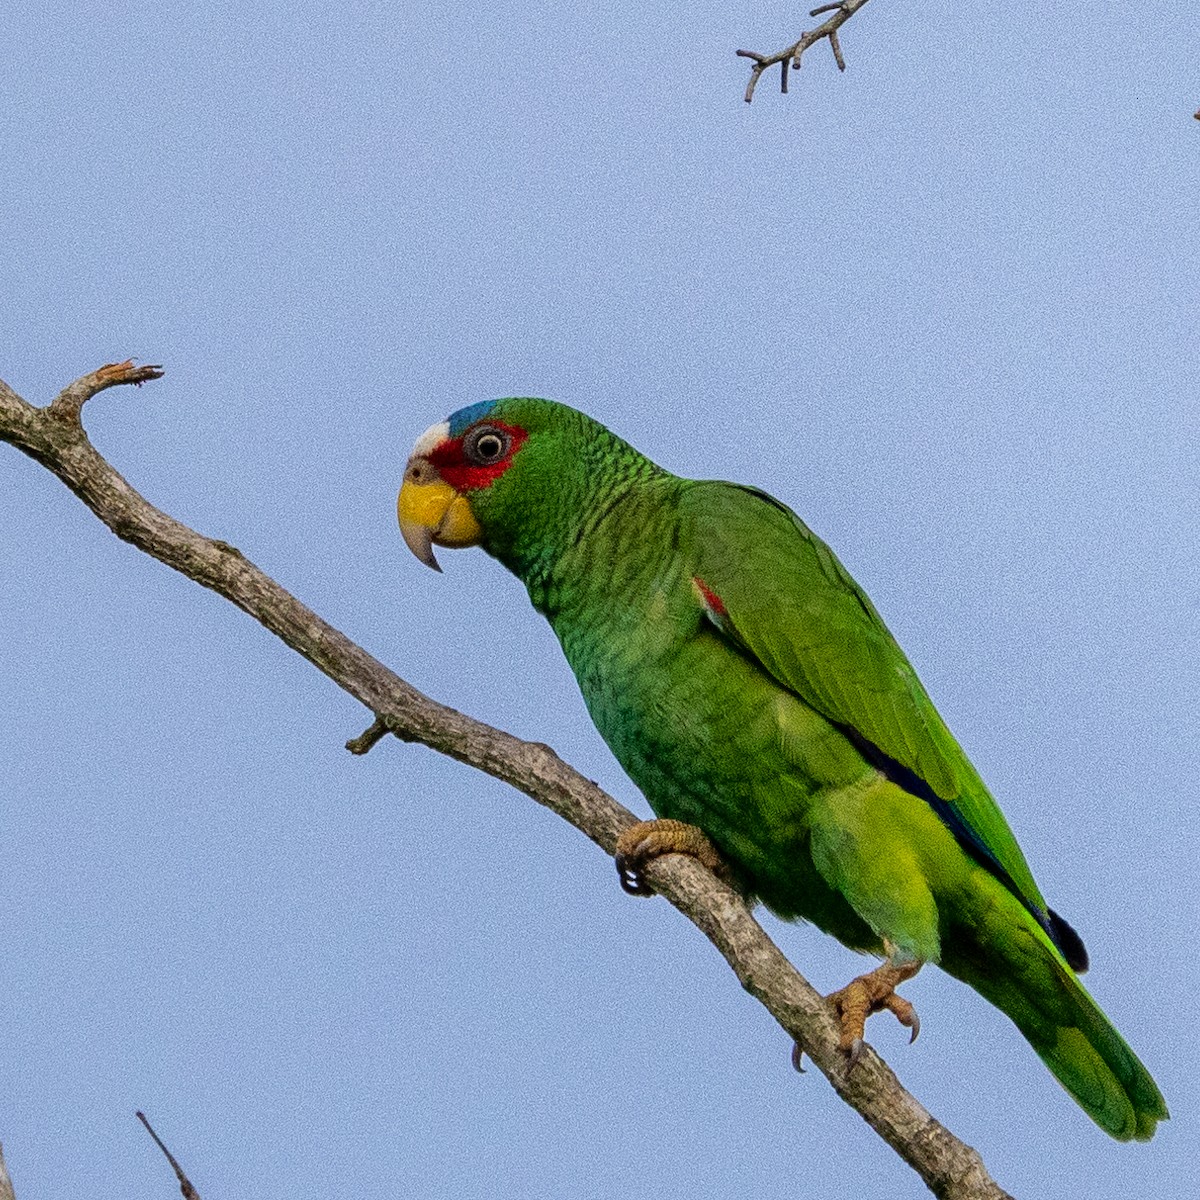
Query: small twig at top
<point>842,11</point>
<point>836,47</point>
<point>185,1184</point>
<point>68,404</point>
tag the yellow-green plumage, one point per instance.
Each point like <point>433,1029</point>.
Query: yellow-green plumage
<point>749,687</point>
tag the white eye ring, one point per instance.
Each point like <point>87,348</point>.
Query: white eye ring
<point>487,446</point>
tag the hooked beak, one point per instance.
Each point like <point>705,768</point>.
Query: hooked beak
<point>432,513</point>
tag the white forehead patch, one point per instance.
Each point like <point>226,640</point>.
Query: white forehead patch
<point>433,436</point>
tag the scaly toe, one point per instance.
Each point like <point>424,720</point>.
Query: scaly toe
<point>851,1004</point>
<point>648,840</point>
<point>873,993</point>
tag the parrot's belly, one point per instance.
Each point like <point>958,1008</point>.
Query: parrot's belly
<point>711,740</point>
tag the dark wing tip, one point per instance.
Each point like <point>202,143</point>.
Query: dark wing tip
<point>1068,941</point>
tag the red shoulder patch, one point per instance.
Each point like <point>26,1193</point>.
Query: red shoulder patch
<point>713,603</point>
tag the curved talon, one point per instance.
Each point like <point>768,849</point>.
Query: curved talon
<point>630,875</point>
<point>798,1059</point>
<point>856,1050</point>
<point>903,1011</point>
<point>905,1014</point>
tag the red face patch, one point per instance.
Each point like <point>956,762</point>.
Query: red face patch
<point>465,474</point>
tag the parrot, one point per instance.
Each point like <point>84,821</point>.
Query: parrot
<point>752,692</point>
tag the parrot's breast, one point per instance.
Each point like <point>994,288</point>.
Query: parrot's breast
<point>710,738</point>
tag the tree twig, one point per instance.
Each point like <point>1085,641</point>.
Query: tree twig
<point>787,59</point>
<point>949,1167</point>
<point>185,1184</point>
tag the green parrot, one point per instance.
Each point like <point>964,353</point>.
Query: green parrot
<point>751,691</point>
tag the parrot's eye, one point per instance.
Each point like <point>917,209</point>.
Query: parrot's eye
<point>486,446</point>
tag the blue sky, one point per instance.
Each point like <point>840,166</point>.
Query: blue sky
<point>943,304</point>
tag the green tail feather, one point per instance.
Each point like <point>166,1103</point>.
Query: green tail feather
<point>1070,1033</point>
<point>1094,1063</point>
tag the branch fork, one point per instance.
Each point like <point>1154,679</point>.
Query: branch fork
<point>789,59</point>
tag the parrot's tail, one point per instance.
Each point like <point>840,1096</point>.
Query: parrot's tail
<point>1073,1037</point>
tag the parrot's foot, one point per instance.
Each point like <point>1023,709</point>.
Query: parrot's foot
<point>872,993</point>
<point>647,840</point>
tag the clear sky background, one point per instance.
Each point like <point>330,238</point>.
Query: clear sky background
<point>945,305</point>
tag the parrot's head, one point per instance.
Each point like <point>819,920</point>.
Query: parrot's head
<point>514,476</point>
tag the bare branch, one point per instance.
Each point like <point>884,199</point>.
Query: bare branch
<point>949,1167</point>
<point>185,1184</point>
<point>842,12</point>
<point>68,404</point>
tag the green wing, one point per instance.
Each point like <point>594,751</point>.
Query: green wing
<point>781,594</point>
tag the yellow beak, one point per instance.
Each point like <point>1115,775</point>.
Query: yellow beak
<point>432,513</point>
